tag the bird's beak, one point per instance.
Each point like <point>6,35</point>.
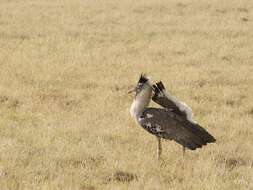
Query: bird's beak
<point>131,91</point>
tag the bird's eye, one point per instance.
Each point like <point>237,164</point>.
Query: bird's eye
<point>138,88</point>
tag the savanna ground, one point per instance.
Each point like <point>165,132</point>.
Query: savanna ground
<point>66,67</point>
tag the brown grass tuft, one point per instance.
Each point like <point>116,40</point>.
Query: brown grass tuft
<point>124,177</point>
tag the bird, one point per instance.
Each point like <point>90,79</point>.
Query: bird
<point>173,120</point>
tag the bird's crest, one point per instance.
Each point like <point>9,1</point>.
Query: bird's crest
<point>143,79</point>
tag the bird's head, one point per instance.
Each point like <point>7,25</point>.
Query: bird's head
<point>143,87</point>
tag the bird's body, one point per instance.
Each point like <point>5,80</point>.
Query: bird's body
<point>168,125</point>
<point>172,122</point>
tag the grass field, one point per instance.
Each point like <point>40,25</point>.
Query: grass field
<point>66,67</point>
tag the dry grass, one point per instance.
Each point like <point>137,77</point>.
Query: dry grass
<point>65,68</point>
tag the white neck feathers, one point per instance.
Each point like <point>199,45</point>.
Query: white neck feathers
<point>141,101</point>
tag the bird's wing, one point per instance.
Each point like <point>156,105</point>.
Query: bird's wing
<point>168,125</point>
<point>169,102</point>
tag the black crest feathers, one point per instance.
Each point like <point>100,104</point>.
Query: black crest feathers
<point>143,79</point>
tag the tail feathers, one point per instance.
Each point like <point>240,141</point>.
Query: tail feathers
<point>194,143</point>
<point>156,89</point>
<point>199,137</point>
<point>201,133</point>
<point>160,86</point>
<point>189,144</point>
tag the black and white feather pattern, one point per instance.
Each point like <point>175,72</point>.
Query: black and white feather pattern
<point>170,102</point>
<point>169,125</point>
<point>174,122</point>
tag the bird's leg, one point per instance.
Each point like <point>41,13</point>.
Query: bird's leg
<point>183,159</point>
<point>183,151</point>
<point>159,148</point>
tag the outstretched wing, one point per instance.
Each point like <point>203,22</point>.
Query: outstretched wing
<point>168,125</point>
<point>170,102</point>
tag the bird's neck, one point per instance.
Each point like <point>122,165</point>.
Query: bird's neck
<point>140,102</point>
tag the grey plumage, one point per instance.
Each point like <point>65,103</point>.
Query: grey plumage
<point>191,134</point>
<point>173,121</point>
<point>160,98</point>
<point>168,125</point>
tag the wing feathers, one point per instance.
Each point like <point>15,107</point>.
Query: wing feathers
<point>170,102</point>
<point>200,132</point>
<point>172,127</point>
<point>180,109</point>
<point>161,99</point>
